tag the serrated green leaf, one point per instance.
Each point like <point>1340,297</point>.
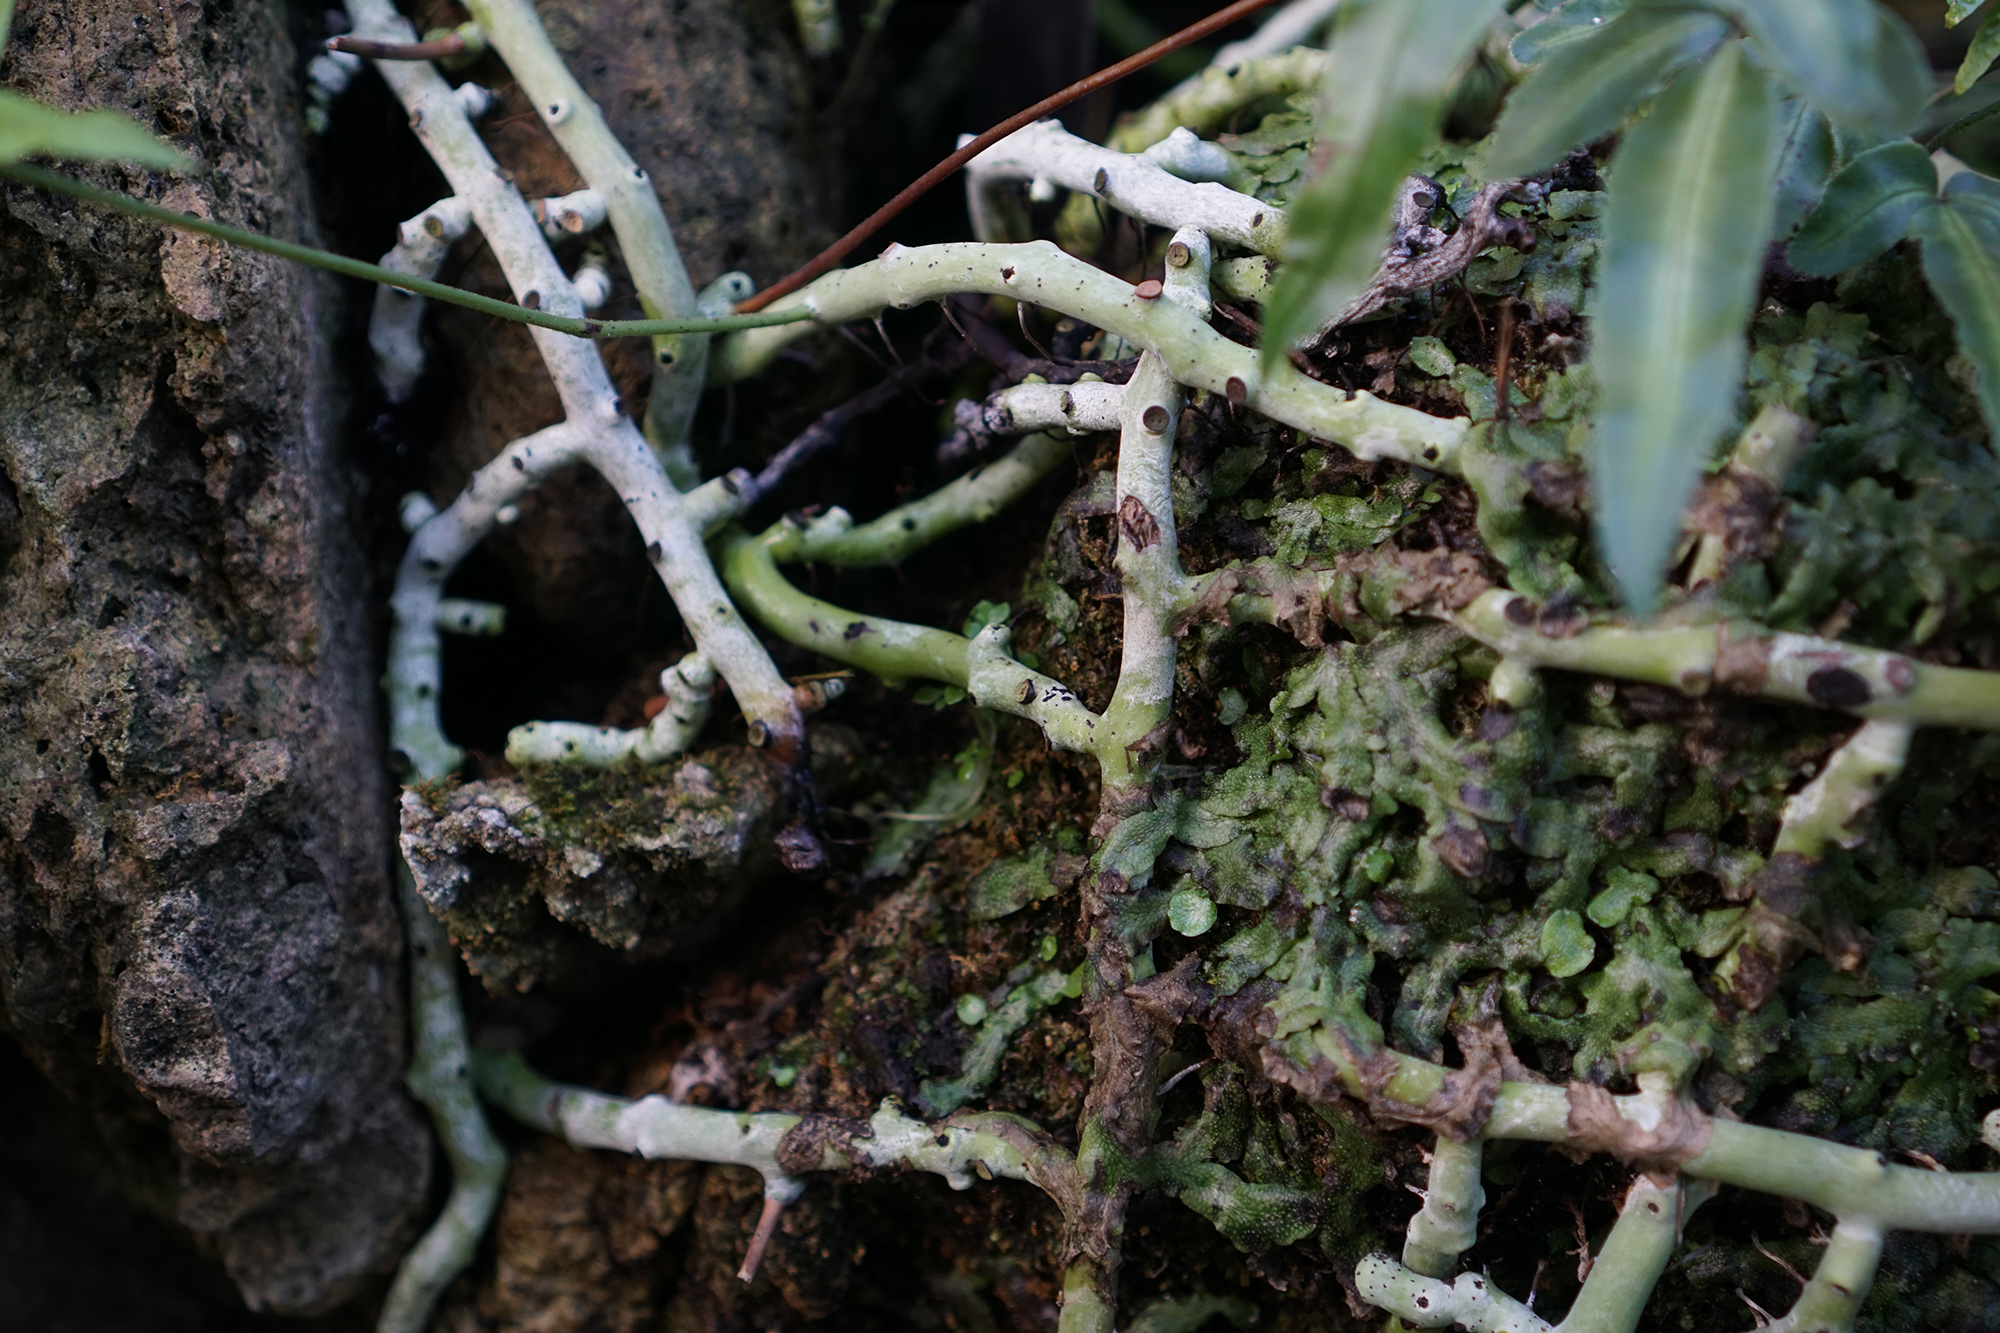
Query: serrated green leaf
<point>1588,86</point>
<point>1961,245</point>
<point>1389,66</point>
<point>1684,233</point>
<point>1958,11</point>
<point>28,129</point>
<point>1569,22</point>
<point>1979,58</point>
<point>1866,209</point>
<point>1857,62</point>
<point>1805,159</point>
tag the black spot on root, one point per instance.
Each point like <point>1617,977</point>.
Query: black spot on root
<point>1838,687</point>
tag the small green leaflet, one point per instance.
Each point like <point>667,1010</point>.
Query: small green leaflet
<point>1961,243</point>
<point>1866,209</point>
<point>1588,86</point>
<point>1984,51</point>
<point>1684,231</point>
<point>1855,61</point>
<point>1390,65</point>
<point>28,128</point>
<point>1566,946</point>
<point>985,615</point>
<point>1571,21</point>
<point>1958,11</point>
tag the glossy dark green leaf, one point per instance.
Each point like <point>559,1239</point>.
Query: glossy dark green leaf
<point>1389,66</point>
<point>1805,160</point>
<point>1961,245</point>
<point>1866,209</point>
<point>1587,87</point>
<point>30,129</point>
<point>1570,21</point>
<point>1958,11</point>
<point>1979,58</point>
<point>1684,233</point>
<point>1855,61</point>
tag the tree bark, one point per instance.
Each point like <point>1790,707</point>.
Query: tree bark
<point>198,940</point>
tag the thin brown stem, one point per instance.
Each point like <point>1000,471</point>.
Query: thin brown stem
<point>936,176</point>
<point>990,343</point>
<point>760,1240</point>
<point>826,430</point>
<point>442,48</point>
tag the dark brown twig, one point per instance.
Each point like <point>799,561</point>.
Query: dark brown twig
<point>1021,313</point>
<point>990,343</point>
<point>931,179</point>
<point>865,350</point>
<point>1240,319</point>
<point>949,357</point>
<point>443,48</point>
<point>882,332</point>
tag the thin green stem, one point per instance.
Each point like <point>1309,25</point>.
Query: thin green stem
<point>963,1148</point>
<point>1831,811</point>
<point>892,649</point>
<point>1840,1284</point>
<point>1448,1223</point>
<point>57,183</point>
<point>972,498</point>
<point>1634,1255</point>
<point>1742,658</point>
<point>1854,1183</point>
<point>1613,1296</point>
<point>1851,1183</point>
<point>897,651</point>
<point>1148,563</point>
<point>981,666</point>
<point>973,147</point>
<point>1197,356</point>
<point>1963,123</point>
<point>981,1062</point>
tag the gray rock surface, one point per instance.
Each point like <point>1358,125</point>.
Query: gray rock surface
<point>562,874</point>
<point>198,943</point>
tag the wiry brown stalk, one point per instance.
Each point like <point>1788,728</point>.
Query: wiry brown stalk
<point>443,48</point>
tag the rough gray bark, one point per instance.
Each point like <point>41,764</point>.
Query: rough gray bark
<point>197,932</point>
